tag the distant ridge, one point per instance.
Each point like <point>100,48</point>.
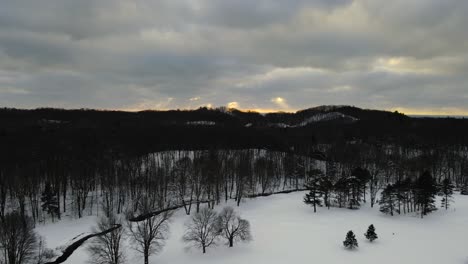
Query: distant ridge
<point>439,116</point>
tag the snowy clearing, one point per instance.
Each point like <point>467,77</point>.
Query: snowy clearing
<point>285,230</point>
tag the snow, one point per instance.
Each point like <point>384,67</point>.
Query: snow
<point>327,108</point>
<point>325,117</point>
<point>320,117</point>
<point>200,123</point>
<point>285,230</point>
<point>61,234</point>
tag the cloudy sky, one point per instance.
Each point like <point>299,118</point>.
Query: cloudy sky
<point>407,55</point>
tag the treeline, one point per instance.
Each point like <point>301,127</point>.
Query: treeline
<point>403,196</point>
<point>76,162</point>
<point>407,195</point>
<point>90,185</point>
<point>400,179</point>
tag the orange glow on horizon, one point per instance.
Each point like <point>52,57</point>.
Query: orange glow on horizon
<point>403,110</point>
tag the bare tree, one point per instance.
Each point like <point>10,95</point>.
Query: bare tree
<point>184,181</point>
<point>149,235</point>
<point>43,254</point>
<point>18,241</point>
<point>203,229</point>
<point>375,185</point>
<point>107,249</point>
<point>233,228</point>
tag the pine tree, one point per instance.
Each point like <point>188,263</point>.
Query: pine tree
<point>314,195</point>
<point>354,192</point>
<point>388,200</point>
<point>350,241</point>
<point>325,188</point>
<point>446,190</point>
<point>370,234</point>
<point>426,189</point>
<point>406,188</point>
<point>363,177</point>
<point>464,189</point>
<point>49,201</point>
<point>341,190</point>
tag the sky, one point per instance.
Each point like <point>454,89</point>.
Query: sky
<point>405,55</point>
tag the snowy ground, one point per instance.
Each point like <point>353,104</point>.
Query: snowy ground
<point>285,230</point>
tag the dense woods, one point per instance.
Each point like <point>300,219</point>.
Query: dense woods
<point>77,162</point>
<point>57,162</point>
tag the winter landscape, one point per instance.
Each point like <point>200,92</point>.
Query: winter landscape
<point>233,131</point>
<point>285,230</point>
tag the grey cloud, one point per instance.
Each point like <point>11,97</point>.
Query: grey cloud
<point>253,14</point>
<point>126,54</point>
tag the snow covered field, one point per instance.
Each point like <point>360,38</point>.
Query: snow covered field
<point>285,230</point>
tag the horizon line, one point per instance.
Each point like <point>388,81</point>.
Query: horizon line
<point>405,111</point>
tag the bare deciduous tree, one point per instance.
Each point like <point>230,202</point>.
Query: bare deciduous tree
<point>43,254</point>
<point>107,249</point>
<point>203,229</point>
<point>149,235</point>
<point>184,182</point>
<point>18,241</point>
<point>233,228</point>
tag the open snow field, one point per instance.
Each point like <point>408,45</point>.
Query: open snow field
<point>285,230</point>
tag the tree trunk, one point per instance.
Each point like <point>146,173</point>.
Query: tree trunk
<point>146,255</point>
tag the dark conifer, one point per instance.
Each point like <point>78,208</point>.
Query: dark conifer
<point>354,192</point>
<point>49,201</point>
<point>350,241</point>
<point>426,189</point>
<point>314,195</point>
<point>363,176</point>
<point>464,189</point>
<point>370,234</point>
<point>341,190</point>
<point>388,200</point>
<point>446,190</point>
<point>325,187</point>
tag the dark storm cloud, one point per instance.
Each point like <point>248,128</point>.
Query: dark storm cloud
<point>285,55</point>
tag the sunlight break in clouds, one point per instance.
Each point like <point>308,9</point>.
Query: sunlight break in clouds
<point>367,53</point>
<point>280,102</point>
<point>233,105</point>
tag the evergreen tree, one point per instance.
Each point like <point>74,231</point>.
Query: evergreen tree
<point>341,191</point>
<point>350,241</point>
<point>314,195</point>
<point>363,177</point>
<point>406,189</point>
<point>370,234</point>
<point>398,190</point>
<point>446,190</point>
<point>49,201</point>
<point>426,189</point>
<point>325,188</point>
<point>464,189</point>
<point>354,192</point>
<point>388,200</point>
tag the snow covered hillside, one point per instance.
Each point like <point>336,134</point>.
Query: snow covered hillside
<point>285,230</point>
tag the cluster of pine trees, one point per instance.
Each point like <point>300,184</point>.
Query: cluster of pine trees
<point>408,196</point>
<point>345,191</point>
<point>403,196</point>
<point>350,241</point>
